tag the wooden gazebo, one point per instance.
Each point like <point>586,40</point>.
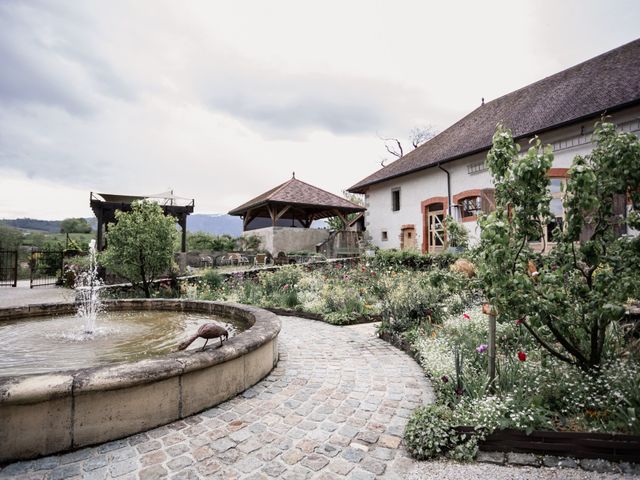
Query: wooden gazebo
<point>104,206</point>
<point>295,204</point>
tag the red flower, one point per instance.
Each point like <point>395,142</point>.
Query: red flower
<point>466,315</point>
<point>518,322</point>
<point>373,274</point>
<point>522,356</point>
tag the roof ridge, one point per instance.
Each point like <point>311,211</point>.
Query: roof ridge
<point>326,191</point>
<point>604,83</point>
<point>280,187</point>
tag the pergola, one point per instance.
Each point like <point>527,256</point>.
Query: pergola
<point>104,206</point>
<point>295,201</point>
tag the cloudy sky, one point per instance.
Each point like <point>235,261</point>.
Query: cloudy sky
<point>222,100</point>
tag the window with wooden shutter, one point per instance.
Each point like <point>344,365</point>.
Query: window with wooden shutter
<point>488,200</point>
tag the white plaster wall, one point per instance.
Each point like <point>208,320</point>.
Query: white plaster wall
<point>414,189</point>
<point>432,182</point>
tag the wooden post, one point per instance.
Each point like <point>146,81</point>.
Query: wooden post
<point>492,352</point>
<point>99,240</point>
<point>183,224</point>
<point>490,311</point>
<point>15,268</point>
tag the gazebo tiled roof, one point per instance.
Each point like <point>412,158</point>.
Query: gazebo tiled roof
<point>296,199</point>
<point>605,83</point>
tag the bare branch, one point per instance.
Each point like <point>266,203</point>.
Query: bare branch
<point>392,150</point>
<point>420,135</point>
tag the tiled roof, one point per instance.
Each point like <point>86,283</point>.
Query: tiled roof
<point>296,192</point>
<point>604,83</point>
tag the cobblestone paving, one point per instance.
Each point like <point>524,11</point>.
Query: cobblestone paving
<point>335,407</point>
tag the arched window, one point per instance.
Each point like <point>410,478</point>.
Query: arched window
<point>468,204</point>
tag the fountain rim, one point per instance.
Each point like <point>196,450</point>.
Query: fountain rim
<point>39,387</point>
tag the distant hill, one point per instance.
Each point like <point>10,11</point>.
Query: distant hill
<point>49,226</point>
<point>215,223</point>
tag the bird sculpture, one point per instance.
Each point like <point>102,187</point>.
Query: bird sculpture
<point>206,331</point>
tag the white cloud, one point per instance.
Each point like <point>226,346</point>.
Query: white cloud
<point>221,101</point>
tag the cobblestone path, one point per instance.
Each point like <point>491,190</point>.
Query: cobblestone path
<point>335,407</point>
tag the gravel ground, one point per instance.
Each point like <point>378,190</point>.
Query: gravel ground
<point>484,471</point>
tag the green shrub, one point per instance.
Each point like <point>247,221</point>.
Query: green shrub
<point>431,433</point>
<point>212,279</point>
<point>410,259</point>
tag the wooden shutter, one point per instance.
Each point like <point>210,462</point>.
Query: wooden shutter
<point>488,200</point>
<point>619,214</point>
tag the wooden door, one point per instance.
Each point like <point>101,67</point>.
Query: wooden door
<point>435,231</point>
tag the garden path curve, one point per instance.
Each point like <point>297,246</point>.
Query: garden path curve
<point>335,406</point>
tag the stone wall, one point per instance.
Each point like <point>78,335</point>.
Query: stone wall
<point>287,239</point>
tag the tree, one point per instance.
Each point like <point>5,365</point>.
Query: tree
<point>140,244</point>
<point>336,223</point>
<point>10,238</point>
<point>417,137</point>
<point>202,241</point>
<point>568,298</point>
<point>75,225</point>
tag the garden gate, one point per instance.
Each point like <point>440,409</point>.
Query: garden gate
<point>8,268</point>
<point>46,267</point>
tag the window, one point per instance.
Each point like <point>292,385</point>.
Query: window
<point>395,199</point>
<point>557,189</point>
<point>470,206</point>
<point>385,237</point>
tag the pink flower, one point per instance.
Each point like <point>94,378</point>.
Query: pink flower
<point>522,356</point>
<point>466,315</point>
<point>518,322</point>
<point>286,287</point>
<point>373,274</point>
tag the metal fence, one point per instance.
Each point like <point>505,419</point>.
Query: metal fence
<point>46,267</point>
<point>8,268</point>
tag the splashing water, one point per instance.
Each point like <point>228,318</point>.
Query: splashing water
<point>88,292</point>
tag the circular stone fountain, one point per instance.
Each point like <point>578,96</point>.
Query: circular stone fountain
<point>69,407</point>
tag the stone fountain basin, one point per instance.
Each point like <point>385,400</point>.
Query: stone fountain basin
<point>48,413</point>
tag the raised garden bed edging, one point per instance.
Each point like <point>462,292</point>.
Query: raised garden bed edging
<point>319,317</point>
<point>550,444</point>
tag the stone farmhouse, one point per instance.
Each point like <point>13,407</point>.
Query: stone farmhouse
<point>408,199</point>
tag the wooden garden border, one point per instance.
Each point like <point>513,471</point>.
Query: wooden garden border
<point>608,446</point>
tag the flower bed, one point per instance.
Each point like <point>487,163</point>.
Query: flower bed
<point>337,293</point>
<point>534,393</point>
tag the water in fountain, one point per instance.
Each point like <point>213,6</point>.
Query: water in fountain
<point>88,292</point>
